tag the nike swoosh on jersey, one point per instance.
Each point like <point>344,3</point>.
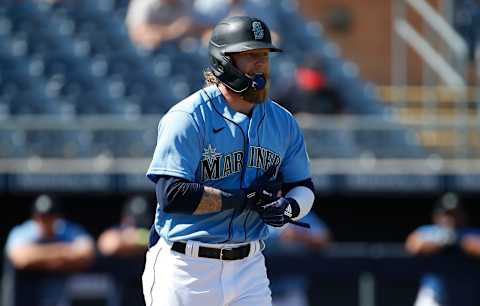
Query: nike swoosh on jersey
<point>215,131</point>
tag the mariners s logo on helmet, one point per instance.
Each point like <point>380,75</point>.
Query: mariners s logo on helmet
<point>257,30</point>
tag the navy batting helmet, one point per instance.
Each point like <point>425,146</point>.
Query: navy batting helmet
<point>238,34</point>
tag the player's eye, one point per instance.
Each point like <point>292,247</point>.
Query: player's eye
<point>261,56</point>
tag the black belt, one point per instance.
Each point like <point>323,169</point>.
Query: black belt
<point>222,253</point>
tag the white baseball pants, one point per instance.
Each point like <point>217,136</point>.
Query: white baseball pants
<point>175,279</point>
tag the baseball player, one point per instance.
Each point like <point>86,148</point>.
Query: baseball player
<point>448,236</point>
<point>223,156</point>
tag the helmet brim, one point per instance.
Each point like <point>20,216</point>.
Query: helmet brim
<point>251,45</point>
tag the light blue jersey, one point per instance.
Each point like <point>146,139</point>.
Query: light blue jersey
<point>30,232</point>
<point>202,139</point>
<point>41,289</point>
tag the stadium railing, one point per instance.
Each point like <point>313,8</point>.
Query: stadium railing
<point>350,153</point>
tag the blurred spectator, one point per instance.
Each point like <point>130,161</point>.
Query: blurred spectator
<point>448,235</point>
<point>126,243</point>
<point>313,93</point>
<point>154,22</point>
<point>291,239</point>
<point>41,253</point>
<point>211,12</point>
<point>467,22</point>
<point>130,237</point>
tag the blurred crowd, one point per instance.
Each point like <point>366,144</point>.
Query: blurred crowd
<point>310,77</point>
<point>68,58</point>
<point>45,253</point>
<point>466,21</point>
<point>153,23</point>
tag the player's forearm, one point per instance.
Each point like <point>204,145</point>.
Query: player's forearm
<point>418,246</point>
<point>216,200</point>
<point>211,201</point>
<point>76,256</point>
<point>180,196</point>
<point>79,258</point>
<point>38,256</point>
<point>118,242</point>
<point>148,36</point>
<point>178,28</point>
<point>471,245</point>
<point>318,242</point>
<point>27,262</point>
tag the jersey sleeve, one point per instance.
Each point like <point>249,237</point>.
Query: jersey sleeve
<point>20,235</point>
<point>296,164</point>
<point>178,147</point>
<point>425,231</point>
<point>436,234</point>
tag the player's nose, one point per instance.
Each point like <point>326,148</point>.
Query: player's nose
<point>261,61</point>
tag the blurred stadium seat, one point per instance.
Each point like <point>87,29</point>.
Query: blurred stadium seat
<point>71,58</point>
<point>124,143</point>
<point>12,143</point>
<point>333,144</point>
<point>59,144</point>
<point>389,143</point>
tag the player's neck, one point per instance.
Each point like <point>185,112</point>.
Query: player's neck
<point>236,101</point>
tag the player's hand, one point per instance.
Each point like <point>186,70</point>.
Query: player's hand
<point>263,190</point>
<point>470,243</point>
<point>279,212</point>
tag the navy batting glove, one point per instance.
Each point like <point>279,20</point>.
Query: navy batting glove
<point>279,212</point>
<point>263,190</point>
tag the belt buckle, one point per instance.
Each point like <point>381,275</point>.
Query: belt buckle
<point>222,249</point>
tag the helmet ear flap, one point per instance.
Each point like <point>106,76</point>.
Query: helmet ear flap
<point>217,60</point>
<point>224,69</point>
<point>234,78</point>
<point>216,65</point>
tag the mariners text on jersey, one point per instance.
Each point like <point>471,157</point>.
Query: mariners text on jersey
<point>202,139</point>
<point>216,166</point>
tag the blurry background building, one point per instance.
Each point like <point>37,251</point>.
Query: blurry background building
<point>386,93</point>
